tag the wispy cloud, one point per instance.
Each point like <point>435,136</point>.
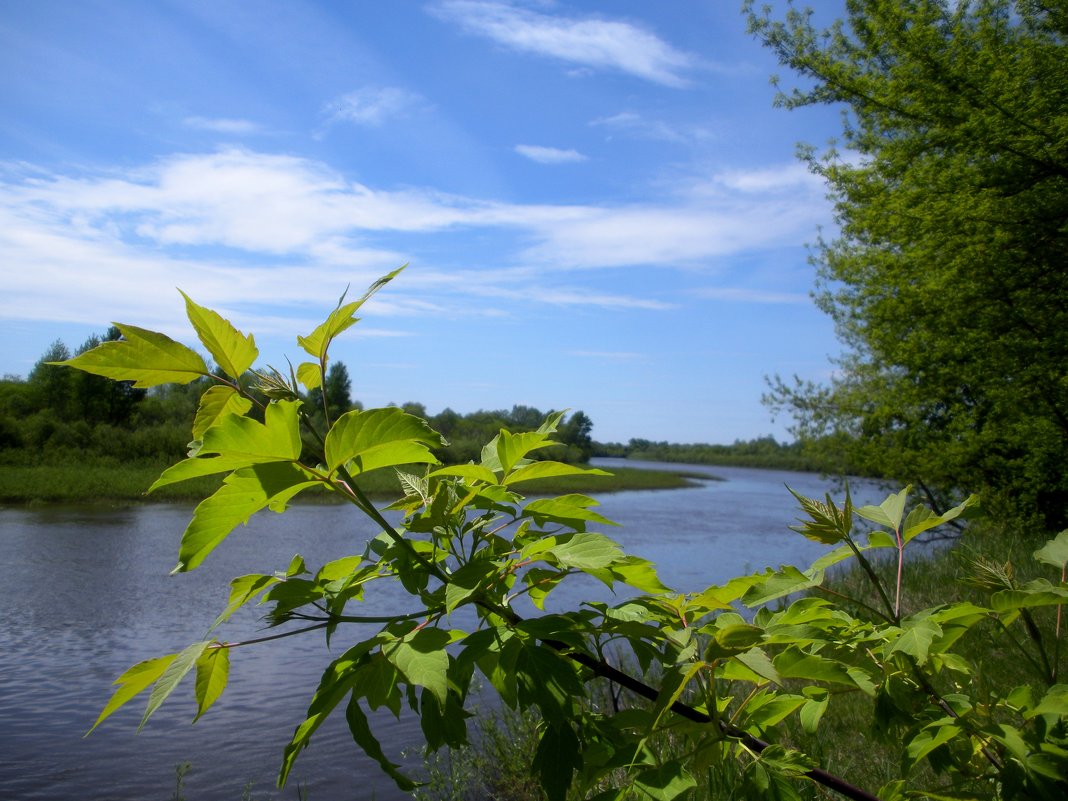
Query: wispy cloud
<point>549,155</point>
<point>632,124</point>
<point>239,227</point>
<point>589,42</point>
<point>371,106</point>
<point>222,125</point>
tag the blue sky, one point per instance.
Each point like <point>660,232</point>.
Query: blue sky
<point>600,207</point>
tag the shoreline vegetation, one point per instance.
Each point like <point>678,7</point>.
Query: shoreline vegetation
<point>107,483</point>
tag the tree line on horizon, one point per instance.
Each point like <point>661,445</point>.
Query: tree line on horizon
<point>54,413</point>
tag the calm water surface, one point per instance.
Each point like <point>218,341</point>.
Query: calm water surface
<point>87,593</point>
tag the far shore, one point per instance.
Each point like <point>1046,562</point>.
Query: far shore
<point>110,484</point>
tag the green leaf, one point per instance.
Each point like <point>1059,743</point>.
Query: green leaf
<point>241,442</point>
<point>827,523</point>
<point>336,682</point>
<point>777,584</point>
<point>276,439</point>
<point>134,681</point>
<point>753,665</point>
<point>1055,551</point>
<point>586,550</point>
<point>556,759</point>
<point>930,738</point>
<point>380,438</point>
<point>666,782</point>
<point>243,493</point>
<point>916,638</point>
<point>242,590</point>
<point>813,710</point>
<point>569,510</point>
<point>548,469</point>
<point>1039,592</point>
<point>318,341</point>
<point>770,709</point>
<point>513,448</point>
<point>216,402</point>
<point>732,639</point>
<point>1054,702</point>
<point>213,669</point>
<point>172,677</point>
<point>361,733</point>
<point>922,519</point>
<point>310,374</point>
<point>889,512</point>
<point>638,573</point>
<point>145,357</point>
<point>233,351</point>
<point>421,658</point>
<point>471,472</point>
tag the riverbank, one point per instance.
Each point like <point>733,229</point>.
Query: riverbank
<point>107,482</point>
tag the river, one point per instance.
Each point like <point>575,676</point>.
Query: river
<point>86,593</point>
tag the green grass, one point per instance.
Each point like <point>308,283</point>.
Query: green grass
<point>100,481</point>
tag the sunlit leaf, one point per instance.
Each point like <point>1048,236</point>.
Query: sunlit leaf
<point>216,402</point>
<point>233,351</point>
<point>318,341</point>
<point>276,439</point>
<point>243,493</point>
<point>568,510</point>
<point>310,374</point>
<point>471,472</point>
<point>889,512</point>
<point>172,677</point>
<point>922,519</point>
<point>379,438</point>
<point>213,670</point>
<point>916,638</point>
<point>134,681</point>
<point>1055,551</point>
<point>145,357</point>
<point>548,469</point>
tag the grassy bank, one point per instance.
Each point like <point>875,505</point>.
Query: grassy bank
<point>102,481</point>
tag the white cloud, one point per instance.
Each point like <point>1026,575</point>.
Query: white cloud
<point>771,179</point>
<point>635,125</point>
<point>222,125</point>
<point>372,106</point>
<point>549,155</point>
<point>589,42</point>
<point>238,229</point>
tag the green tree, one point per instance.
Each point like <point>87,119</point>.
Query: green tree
<point>338,390</point>
<point>51,385</point>
<point>946,276</point>
<point>96,399</point>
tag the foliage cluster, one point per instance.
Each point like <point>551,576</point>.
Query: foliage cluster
<point>470,549</point>
<point>945,277</point>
